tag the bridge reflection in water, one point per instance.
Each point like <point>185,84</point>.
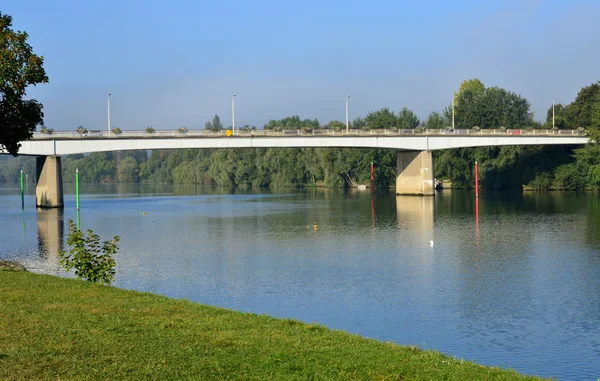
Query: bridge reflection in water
<point>50,227</point>
<point>415,214</point>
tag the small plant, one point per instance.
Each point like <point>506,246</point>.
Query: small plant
<point>91,260</point>
<point>182,130</point>
<point>476,128</point>
<point>420,129</point>
<point>149,130</point>
<point>46,130</point>
<point>82,130</point>
<point>502,129</point>
<point>116,130</point>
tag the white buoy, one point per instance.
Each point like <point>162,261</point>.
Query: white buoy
<point>431,243</point>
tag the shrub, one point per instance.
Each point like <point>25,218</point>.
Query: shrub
<point>116,130</point>
<point>182,130</point>
<point>476,128</point>
<point>82,130</point>
<point>149,130</point>
<point>46,130</point>
<point>91,260</point>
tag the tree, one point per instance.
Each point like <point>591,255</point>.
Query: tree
<point>19,68</point>
<point>407,120</point>
<point>380,119</point>
<point>128,171</point>
<point>435,120</point>
<point>217,125</point>
<point>91,261</point>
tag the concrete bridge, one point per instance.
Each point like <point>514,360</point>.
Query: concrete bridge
<point>414,159</point>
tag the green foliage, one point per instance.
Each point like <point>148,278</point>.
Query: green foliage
<point>150,130</point>
<point>128,170</point>
<point>437,121</point>
<point>91,260</point>
<point>292,123</point>
<point>407,120</point>
<point>116,130</point>
<point>46,130</point>
<point>182,130</point>
<point>19,68</point>
<point>82,130</point>
<point>216,123</point>
<point>380,119</point>
<point>493,107</point>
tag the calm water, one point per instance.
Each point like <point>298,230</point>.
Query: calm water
<point>518,286</point>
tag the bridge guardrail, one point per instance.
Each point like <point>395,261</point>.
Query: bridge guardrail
<point>315,132</point>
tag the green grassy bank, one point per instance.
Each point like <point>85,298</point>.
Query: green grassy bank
<point>54,328</point>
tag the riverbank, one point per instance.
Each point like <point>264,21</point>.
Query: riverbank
<point>55,328</point>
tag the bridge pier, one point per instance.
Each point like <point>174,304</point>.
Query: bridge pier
<point>415,173</point>
<point>49,187</point>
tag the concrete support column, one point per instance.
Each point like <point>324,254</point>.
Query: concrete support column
<point>415,173</point>
<point>49,189</point>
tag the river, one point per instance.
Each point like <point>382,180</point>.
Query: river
<point>512,280</point>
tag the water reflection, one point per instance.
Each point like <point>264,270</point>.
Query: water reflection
<point>415,213</point>
<point>50,227</point>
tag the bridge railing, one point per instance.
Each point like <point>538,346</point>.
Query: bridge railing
<point>291,133</point>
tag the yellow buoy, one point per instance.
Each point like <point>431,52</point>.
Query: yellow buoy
<point>315,226</point>
<point>144,213</point>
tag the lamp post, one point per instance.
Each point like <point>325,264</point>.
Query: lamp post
<point>347,123</point>
<point>108,113</point>
<point>555,99</point>
<point>233,112</point>
<point>452,114</point>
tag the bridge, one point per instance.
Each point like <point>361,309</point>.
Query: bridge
<point>413,148</point>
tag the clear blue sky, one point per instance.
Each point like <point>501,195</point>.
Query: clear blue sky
<point>176,63</point>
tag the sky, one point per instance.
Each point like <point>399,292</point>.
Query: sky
<point>177,63</point>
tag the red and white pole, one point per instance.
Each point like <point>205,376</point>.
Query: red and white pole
<point>476,180</point>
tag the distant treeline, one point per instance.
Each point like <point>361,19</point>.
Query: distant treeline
<point>533,167</point>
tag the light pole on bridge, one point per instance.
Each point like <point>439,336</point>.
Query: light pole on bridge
<point>555,99</point>
<point>452,114</point>
<point>233,112</point>
<point>347,123</point>
<point>109,113</point>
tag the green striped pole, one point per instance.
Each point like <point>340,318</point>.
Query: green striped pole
<point>77,187</point>
<point>22,192</point>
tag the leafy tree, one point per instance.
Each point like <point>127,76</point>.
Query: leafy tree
<point>407,120</point>
<point>216,123</point>
<point>128,170</point>
<point>435,120</point>
<point>380,119</point>
<point>19,68</point>
<point>91,260</point>
<point>208,125</point>
<point>335,125</point>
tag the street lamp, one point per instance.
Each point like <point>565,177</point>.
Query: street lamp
<point>233,112</point>
<point>452,114</point>
<point>555,99</point>
<point>347,123</point>
<point>109,113</point>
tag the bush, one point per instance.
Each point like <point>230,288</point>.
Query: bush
<point>182,130</point>
<point>476,128</point>
<point>91,261</point>
<point>46,130</point>
<point>149,130</point>
<point>82,130</point>
<point>116,130</point>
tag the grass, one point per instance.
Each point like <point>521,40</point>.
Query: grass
<point>54,328</point>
